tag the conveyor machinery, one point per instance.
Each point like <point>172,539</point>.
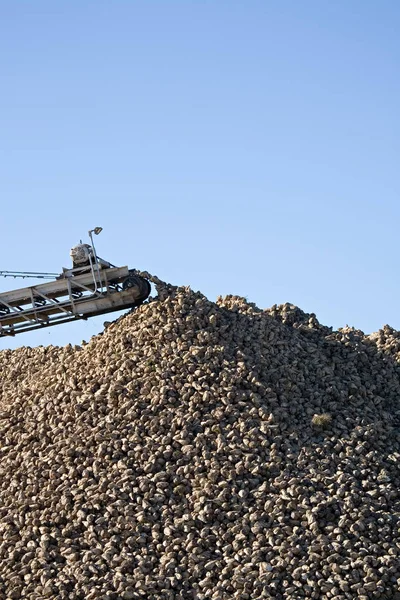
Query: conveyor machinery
<point>92,287</point>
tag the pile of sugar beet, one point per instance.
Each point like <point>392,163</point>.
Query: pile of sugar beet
<point>201,450</point>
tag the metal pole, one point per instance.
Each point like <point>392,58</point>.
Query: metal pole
<point>95,257</point>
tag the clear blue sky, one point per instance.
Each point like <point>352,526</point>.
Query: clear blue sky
<point>245,147</point>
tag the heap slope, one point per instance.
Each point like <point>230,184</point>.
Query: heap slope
<point>201,450</point>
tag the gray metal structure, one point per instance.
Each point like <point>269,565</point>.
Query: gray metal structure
<point>85,291</point>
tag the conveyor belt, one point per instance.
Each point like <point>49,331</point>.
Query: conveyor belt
<point>69,298</point>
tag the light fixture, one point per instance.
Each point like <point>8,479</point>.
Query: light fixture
<point>96,231</point>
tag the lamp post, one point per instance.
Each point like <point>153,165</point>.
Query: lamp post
<point>96,231</point>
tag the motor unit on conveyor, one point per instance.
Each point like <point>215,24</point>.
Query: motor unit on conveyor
<point>80,254</point>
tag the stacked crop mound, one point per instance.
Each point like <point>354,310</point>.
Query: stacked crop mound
<point>202,450</point>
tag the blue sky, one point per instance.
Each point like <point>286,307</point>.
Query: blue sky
<point>245,147</point>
